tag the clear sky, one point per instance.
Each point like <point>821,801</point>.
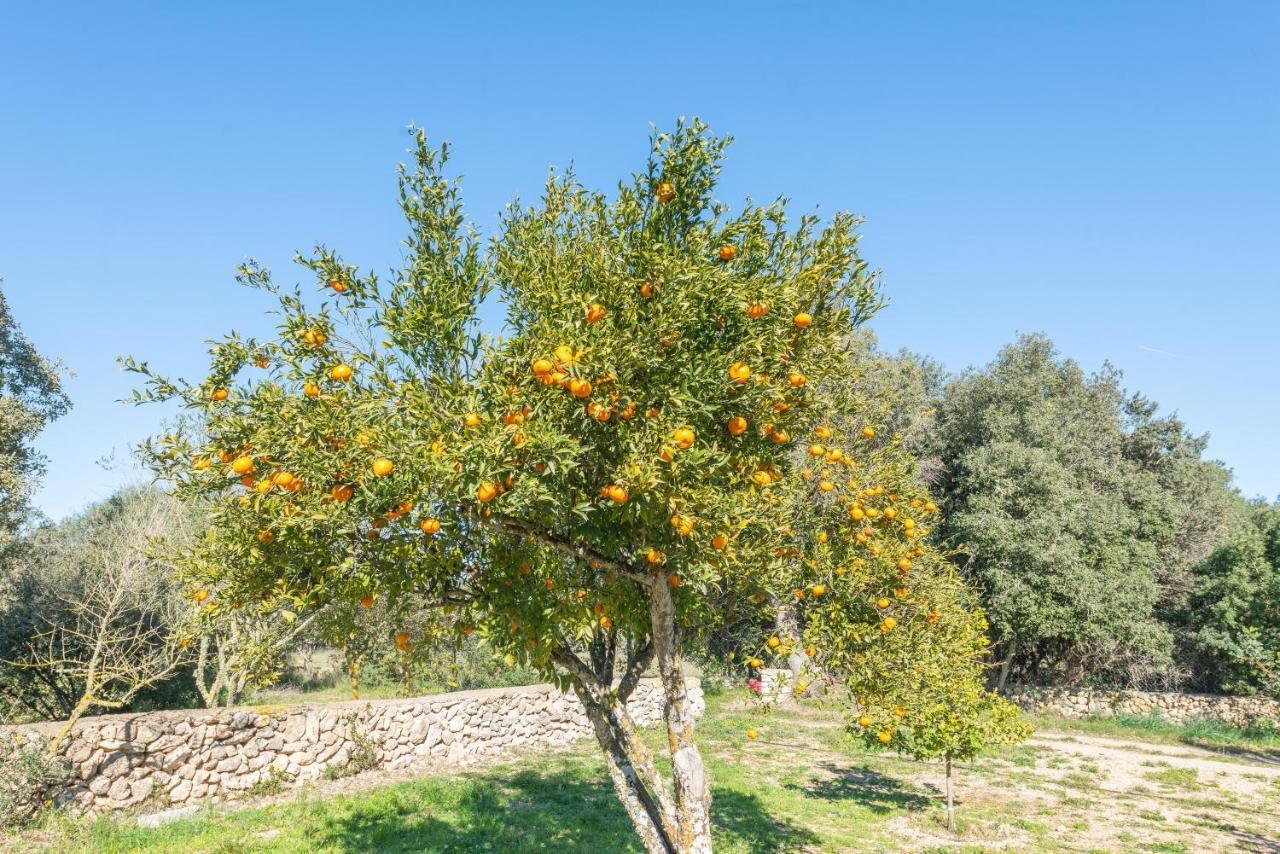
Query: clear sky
<point>1108,173</point>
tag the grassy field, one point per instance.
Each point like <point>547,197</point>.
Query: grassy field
<point>801,787</point>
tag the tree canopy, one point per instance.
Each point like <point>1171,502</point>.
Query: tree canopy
<point>604,484</point>
<point>31,396</point>
<point>1079,511</point>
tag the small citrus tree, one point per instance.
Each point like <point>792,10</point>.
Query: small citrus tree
<point>591,493</point>
<point>928,700</point>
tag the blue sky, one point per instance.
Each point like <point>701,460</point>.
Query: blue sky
<point>1108,173</point>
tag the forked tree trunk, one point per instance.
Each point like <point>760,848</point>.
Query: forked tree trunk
<point>631,769</point>
<point>55,745</point>
<point>692,789</point>
<point>666,823</point>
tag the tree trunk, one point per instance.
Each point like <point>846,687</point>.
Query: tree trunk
<point>1004,668</point>
<point>55,746</point>
<point>634,776</point>
<point>951,807</point>
<point>787,627</point>
<point>692,790</point>
<point>235,688</point>
<point>354,669</point>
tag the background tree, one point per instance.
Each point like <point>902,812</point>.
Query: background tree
<point>1234,612</point>
<point>597,490</point>
<point>239,650</point>
<point>110,635</point>
<point>30,397</point>
<point>1079,512</point>
<point>54,572</point>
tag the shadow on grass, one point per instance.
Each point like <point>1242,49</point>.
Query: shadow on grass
<point>743,819</point>
<point>526,811</point>
<point>1259,754</point>
<point>866,787</point>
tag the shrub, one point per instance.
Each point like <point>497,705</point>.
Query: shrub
<point>363,756</point>
<point>29,780</point>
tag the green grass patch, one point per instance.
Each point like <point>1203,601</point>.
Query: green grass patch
<point>1183,778</point>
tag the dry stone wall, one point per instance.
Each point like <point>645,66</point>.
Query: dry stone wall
<point>181,757</point>
<point>1179,708</point>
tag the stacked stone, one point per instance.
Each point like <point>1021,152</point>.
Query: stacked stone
<point>174,758</point>
<point>1175,707</point>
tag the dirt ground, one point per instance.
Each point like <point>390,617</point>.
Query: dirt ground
<point>1074,792</point>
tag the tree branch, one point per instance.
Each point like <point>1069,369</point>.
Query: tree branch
<point>577,667</point>
<point>520,528</point>
<point>637,662</point>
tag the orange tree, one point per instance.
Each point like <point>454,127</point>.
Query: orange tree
<point>597,489</point>
<point>924,695</point>
<point>912,656</point>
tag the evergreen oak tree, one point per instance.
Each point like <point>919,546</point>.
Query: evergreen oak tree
<point>1079,512</point>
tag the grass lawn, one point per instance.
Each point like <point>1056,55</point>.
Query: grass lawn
<point>801,787</point>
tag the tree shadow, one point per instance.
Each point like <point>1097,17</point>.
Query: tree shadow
<point>1248,841</point>
<point>743,819</point>
<point>869,788</point>
<point>525,811</point>
<point>1256,753</point>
